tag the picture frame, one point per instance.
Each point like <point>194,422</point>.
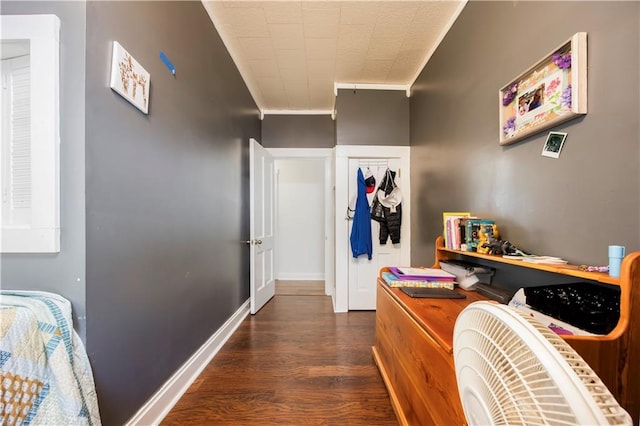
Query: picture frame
<point>129,79</point>
<point>550,92</point>
<point>553,145</point>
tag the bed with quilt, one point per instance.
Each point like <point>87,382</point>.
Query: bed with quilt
<point>45,376</point>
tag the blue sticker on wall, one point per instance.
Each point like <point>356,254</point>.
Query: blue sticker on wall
<point>167,62</point>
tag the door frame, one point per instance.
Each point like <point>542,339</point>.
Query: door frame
<point>343,154</point>
<point>329,246</point>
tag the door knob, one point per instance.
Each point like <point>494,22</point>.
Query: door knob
<point>258,242</point>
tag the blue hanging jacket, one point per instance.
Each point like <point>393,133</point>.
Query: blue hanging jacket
<point>361,228</point>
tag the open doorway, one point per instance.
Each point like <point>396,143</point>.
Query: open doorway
<point>299,205</point>
<point>304,221</point>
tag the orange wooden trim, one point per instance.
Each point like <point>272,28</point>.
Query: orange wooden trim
<point>395,402</point>
<point>383,269</point>
<point>571,270</point>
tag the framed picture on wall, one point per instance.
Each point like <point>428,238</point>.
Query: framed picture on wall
<point>552,91</point>
<point>129,78</point>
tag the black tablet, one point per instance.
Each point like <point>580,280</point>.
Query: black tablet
<point>438,293</point>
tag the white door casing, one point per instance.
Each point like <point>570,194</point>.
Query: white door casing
<point>330,225</point>
<point>262,225</point>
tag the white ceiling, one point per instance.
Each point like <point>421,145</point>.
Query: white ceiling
<point>293,54</point>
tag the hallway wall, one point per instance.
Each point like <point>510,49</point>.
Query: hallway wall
<point>298,131</point>
<point>167,198</point>
<point>372,117</point>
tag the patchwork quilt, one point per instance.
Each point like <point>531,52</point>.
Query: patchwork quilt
<point>45,376</point>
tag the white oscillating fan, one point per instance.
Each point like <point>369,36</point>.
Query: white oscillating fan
<point>512,370</point>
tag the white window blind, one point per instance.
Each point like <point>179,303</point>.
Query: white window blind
<point>16,189</point>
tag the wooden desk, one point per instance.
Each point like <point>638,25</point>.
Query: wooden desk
<point>414,339</point>
<point>414,352</point>
<point>614,357</point>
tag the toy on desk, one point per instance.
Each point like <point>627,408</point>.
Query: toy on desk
<point>486,235</point>
<point>503,247</point>
<point>589,268</point>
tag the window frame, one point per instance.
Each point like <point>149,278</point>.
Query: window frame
<point>42,233</point>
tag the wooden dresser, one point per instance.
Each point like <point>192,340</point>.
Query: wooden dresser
<point>414,343</point>
<point>414,352</point>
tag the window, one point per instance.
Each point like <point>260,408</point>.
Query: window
<point>29,156</point>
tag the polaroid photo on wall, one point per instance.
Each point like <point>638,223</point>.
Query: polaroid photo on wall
<point>553,144</point>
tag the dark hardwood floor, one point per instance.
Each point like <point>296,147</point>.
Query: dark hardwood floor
<point>293,363</point>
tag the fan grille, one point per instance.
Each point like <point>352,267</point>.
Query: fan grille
<point>507,368</point>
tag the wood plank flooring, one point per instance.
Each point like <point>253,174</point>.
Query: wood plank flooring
<point>300,288</point>
<point>293,363</point>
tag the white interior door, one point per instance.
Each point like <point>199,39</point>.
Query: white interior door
<point>262,225</point>
<point>362,271</point>
<point>345,280</point>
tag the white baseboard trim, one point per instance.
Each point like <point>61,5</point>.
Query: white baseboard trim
<point>285,276</point>
<point>159,405</point>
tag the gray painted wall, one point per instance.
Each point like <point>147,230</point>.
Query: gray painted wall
<point>167,198</point>
<point>571,207</point>
<point>64,272</point>
<point>298,131</point>
<point>372,117</point>
<point>364,117</point>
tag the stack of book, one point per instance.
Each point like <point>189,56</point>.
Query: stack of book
<point>418,277</point>
<point>454,228</point>
<point>461,230</point>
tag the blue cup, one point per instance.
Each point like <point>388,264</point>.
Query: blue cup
<point>616,253</point>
